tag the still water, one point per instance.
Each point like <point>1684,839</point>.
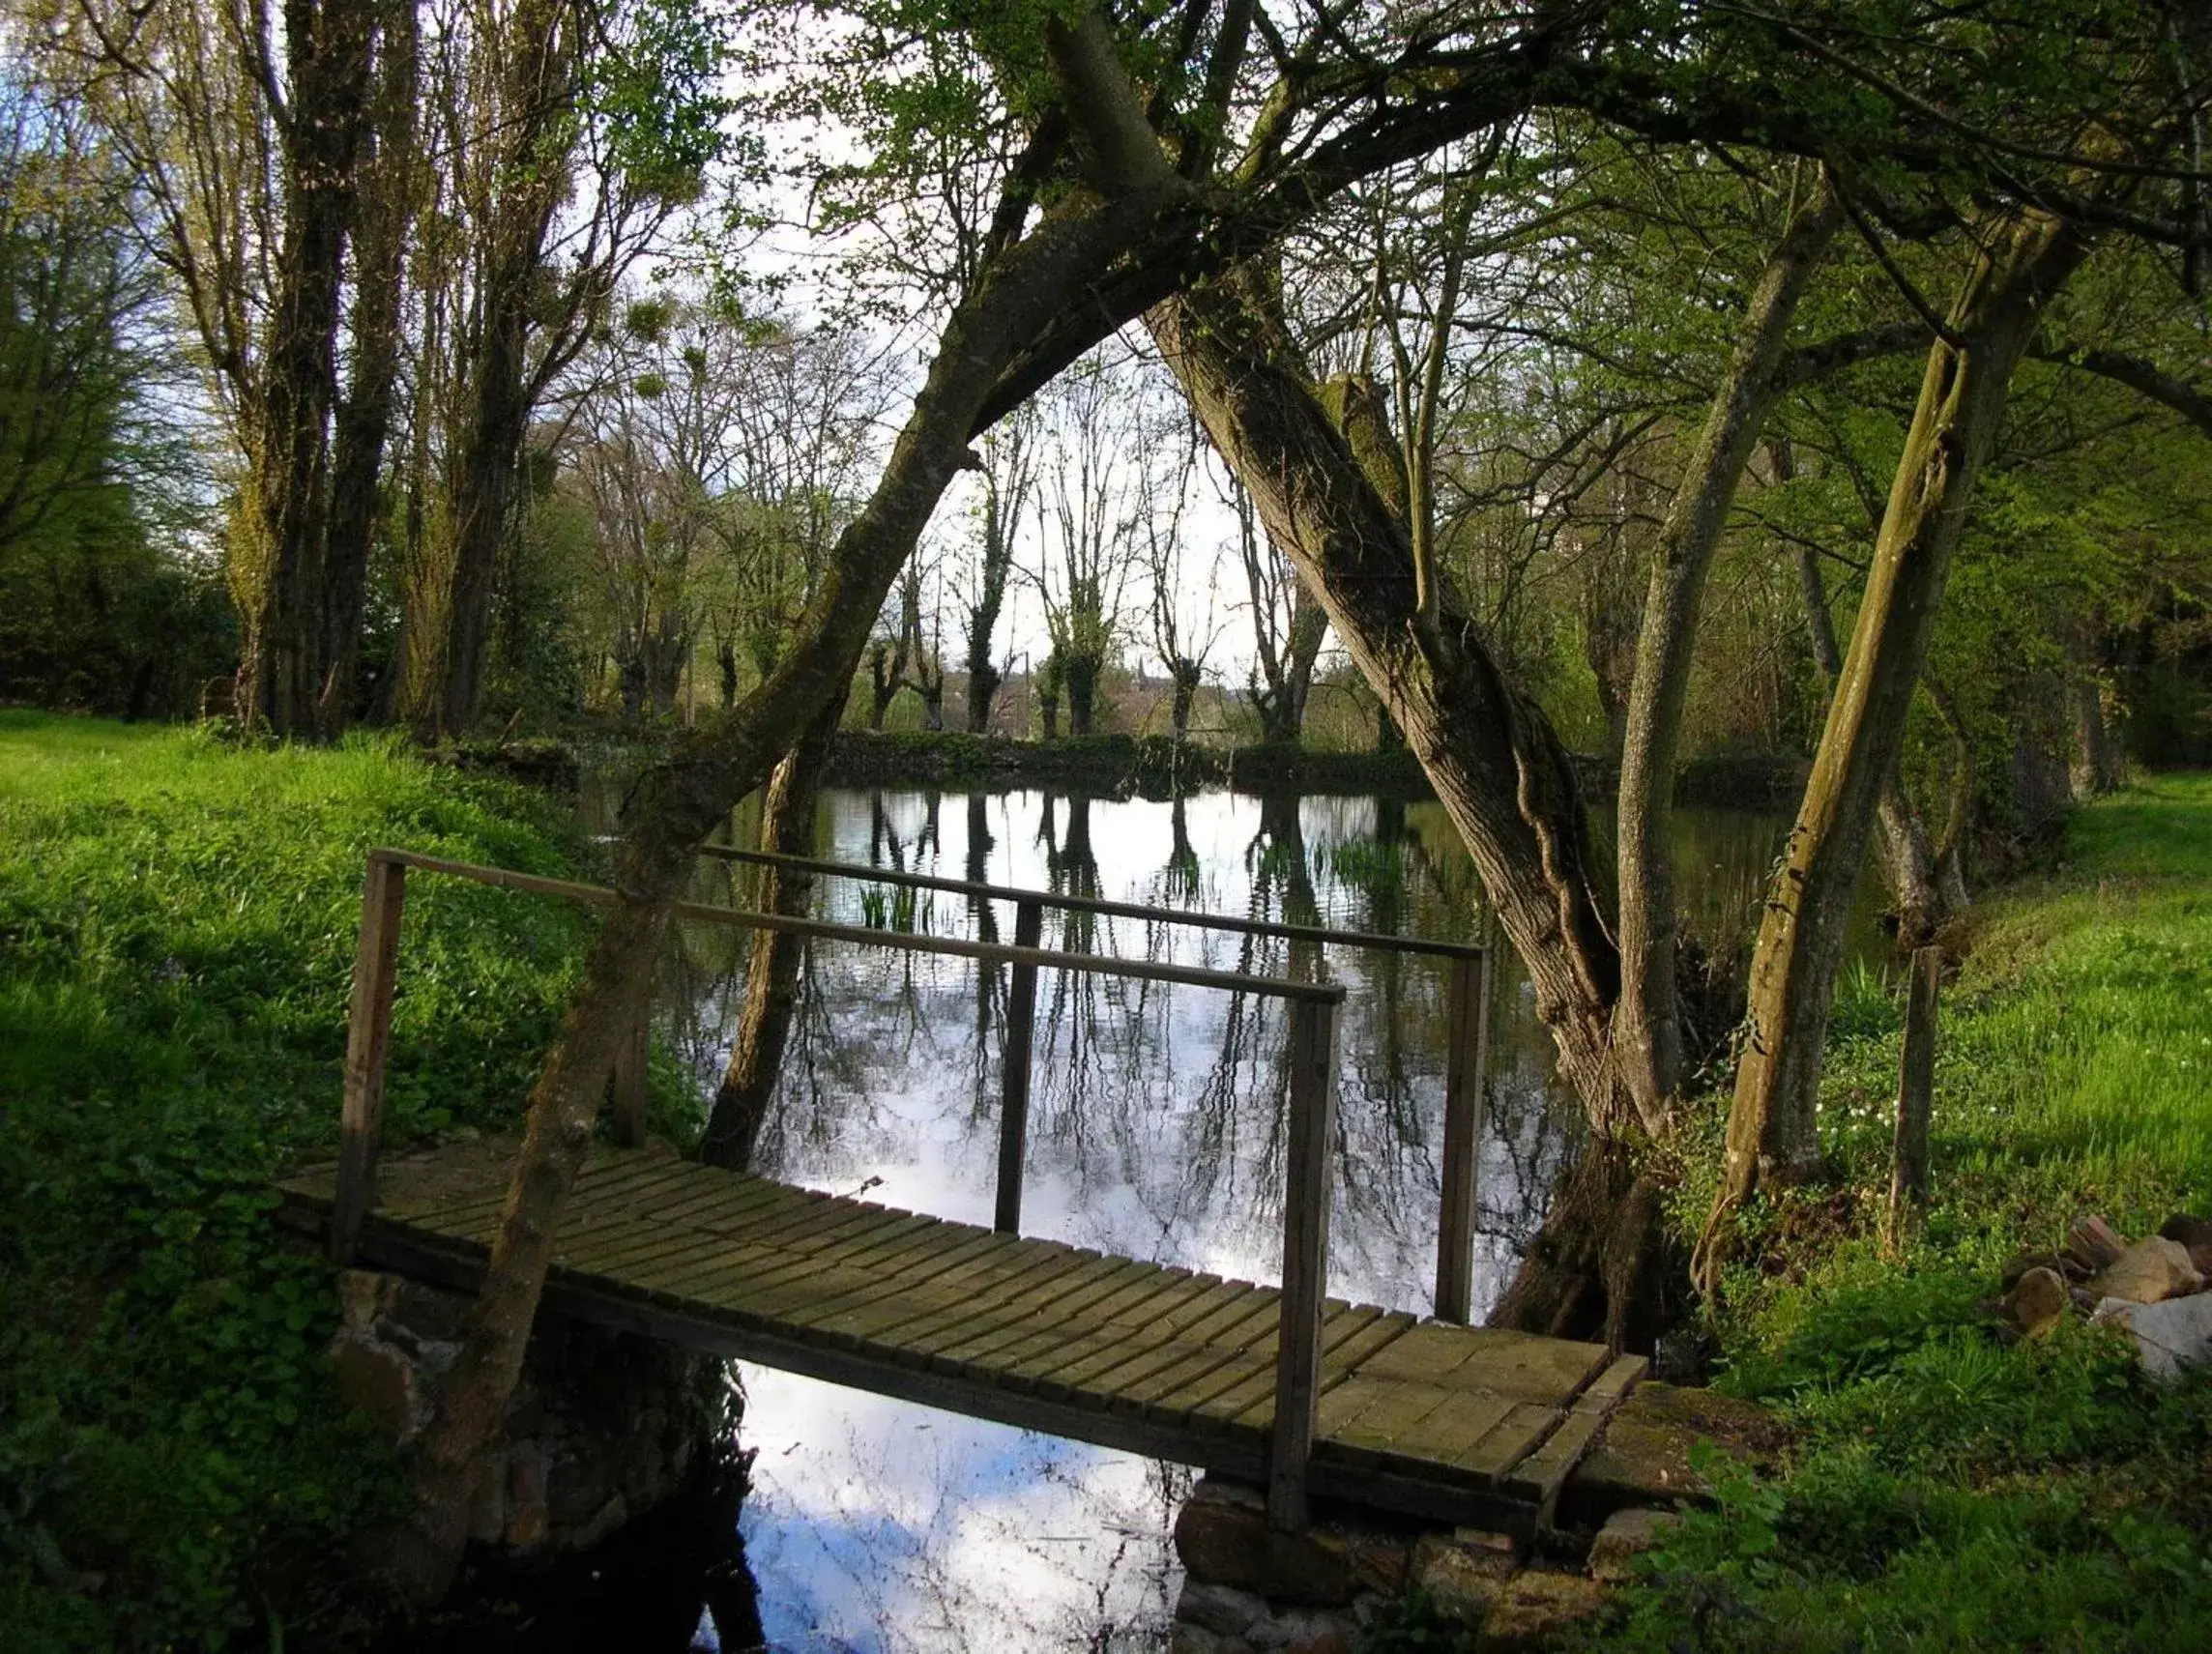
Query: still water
<point>1155,1129</point>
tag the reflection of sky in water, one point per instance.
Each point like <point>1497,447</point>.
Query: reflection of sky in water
<point>1155,1131</point>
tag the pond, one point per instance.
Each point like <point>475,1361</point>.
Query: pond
<point>1155,1131</point>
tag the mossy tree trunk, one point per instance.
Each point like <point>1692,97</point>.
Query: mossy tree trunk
<point>690,793</point>
<point>1648,1023</point>
<point>771,978</point>
<point>277,561</point>
<point>384,209</point>
<point>1771,1134</point>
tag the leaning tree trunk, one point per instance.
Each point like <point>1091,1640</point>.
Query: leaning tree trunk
<point>771,978</point>
<point>692,791</point>
<point>1496,766</point>
<point>1647,1023</point>
<point>1771,1133</point>
<point>1912,869</point>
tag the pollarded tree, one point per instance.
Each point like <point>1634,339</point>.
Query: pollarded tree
<point>1093,490</point>
<point>1185,615</point>
<point>246,143</point>
<point>1006,458</point>
<point>569,131</point>
<point>1287,626</point>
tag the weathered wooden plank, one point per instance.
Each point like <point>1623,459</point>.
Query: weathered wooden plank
<point>1137,1340</point>
<point>732,1286</point>
<point>1350,1330</point>
<point>978,1271</point>
<point>1512,1440</point>
<point>825,1245</point>
<point>452,1210</point>
<point>1539,1476</point>
<point>1132,1313</point>
<point>955,1302</point>
<point>1347,1357</point>
<point>604,1217</point>
<point>960,1317</point>
<point>1042,1313</point>
<point>1611,1388</point>
<point>1449,1433</point>
<point>864,1253</point>
<point>1224,1334</point>
<point>813,1301</point>
<point>1363,1419</point>
<point>1114,1342</point>
<point>1001,1354</point>
<point>479,1225</point>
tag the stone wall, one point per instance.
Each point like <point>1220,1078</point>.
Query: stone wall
<point>603,1426</point>
<point>1249,1589</point>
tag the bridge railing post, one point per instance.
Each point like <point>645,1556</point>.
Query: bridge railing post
<point>1467,1067</point>
<point>1306,1201</point>
<point>1014,1072</point>
<point>368,1036</point>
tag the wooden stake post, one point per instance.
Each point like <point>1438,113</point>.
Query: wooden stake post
<point>1014,1072</point>
<point>1306,1201</point>
<point>1467,1063</point>
<point>1915,1093</point>
<point>368,1035</point>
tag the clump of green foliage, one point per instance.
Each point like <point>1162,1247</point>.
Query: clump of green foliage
<point>177,929</point>
<point>1952,1490</point>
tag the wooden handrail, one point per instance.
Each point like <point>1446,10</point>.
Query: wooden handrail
<point>1371,940</point>
<point>1312,1061</point>
<point>997,952</point>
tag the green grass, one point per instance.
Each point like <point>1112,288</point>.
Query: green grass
<point>1949,1491</point>
<point>177,925</point>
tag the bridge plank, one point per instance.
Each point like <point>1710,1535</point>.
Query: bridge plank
<point>1138,1342</point>
<point>1150,1355</point>
<point>958,1304</point>
<point>1147,1334</point>
<point>974,1271</point>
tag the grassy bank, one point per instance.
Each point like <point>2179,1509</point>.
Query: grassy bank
<point>1950,1492</point>
<point>177,925</point>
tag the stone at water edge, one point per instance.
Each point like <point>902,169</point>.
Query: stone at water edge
<point>1625,1536</point>
<point>1532,1609</point>
<point>2149,1271</point>
<point>2038,1301</point>
<point>2171,1337</point>
<point>1220,1608</point>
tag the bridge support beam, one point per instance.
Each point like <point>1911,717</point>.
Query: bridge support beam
<point>1306,1201</point>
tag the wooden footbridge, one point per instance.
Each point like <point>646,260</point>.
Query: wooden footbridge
<point>1311,1395</point>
